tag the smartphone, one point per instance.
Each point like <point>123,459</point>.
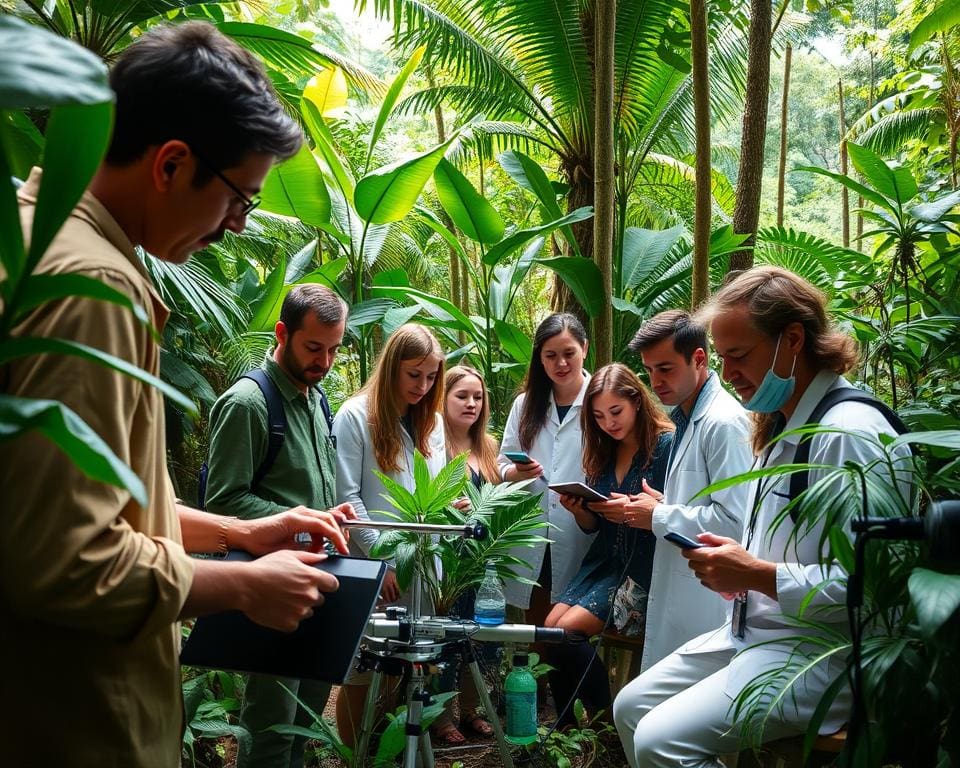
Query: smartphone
<point>682,541</point>
<point>518,457</point>
<point>581,490</point>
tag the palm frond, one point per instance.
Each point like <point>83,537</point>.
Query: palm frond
<point>887,136</point>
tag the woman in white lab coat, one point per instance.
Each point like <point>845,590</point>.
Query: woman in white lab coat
<point>378,429</point>
<point>544,423</point>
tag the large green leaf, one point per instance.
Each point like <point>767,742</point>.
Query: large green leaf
<point>583,278</point>
<point>514,341</point>
<point>390,100</point>
<point>643,250</point>
<point>11,235</point>
<point>23,142</point>
<point>935,210</point>
<point>77,138</point>
<point>470,211</point>
<point>896,184</point>
<point>40,69</point>
<point>294,55</point>
<point>945,14</point>
<point>512,242</point>
<point>389,193</point>
<point>62,426</point>
<point>528,174</point>
<point>25,346</point>
<point>297,188</point>
<point>852,184</point>
<point>936,597</point>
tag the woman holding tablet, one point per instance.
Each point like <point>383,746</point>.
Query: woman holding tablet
<point>626,441</point>
<point>379,428</point>
<point>544,423</point>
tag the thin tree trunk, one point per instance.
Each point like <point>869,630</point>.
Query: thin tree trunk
<point>447,221</point>
<point>844,195</point>
<point>746,212</point>
<point>699,59</point>
<point>782,170</point>
<point>603,174</point>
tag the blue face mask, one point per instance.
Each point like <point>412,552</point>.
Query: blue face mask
<point>773,391</point>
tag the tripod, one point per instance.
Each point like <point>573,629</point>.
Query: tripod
<point>417,659</point>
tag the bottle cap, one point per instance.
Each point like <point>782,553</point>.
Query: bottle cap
<point>520,659</point>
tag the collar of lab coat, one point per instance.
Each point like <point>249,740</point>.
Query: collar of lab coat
<point>577,401</point>
<point>708,393</point>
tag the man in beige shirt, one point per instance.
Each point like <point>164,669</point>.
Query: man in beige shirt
<point>91,584</point>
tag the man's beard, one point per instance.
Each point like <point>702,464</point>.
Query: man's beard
<point>306,376</point>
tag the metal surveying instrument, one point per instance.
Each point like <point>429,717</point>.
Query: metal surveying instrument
<point>402,642</point>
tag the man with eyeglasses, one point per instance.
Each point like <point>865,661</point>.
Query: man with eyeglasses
<point>92,585</point>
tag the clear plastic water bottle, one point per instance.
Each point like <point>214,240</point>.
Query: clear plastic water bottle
<point>491,606</point>
<point>520,692</point>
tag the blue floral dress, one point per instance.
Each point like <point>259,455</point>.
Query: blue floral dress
<point>616,546</point>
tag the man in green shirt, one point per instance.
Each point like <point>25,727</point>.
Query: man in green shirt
<point>309,332</point>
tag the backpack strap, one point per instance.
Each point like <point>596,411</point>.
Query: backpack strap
<point>327,414</point>
<point>276,423</point>
<point>799,481</point>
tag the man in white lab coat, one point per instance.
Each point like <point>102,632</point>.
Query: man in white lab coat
<point>712,442</point>
<point>782,355</point>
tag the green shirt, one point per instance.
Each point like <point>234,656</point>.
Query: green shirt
<point>305,469</point>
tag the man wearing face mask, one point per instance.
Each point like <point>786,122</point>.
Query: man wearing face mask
<point>782,356</point>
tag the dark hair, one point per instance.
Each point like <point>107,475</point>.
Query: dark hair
<point>598,447</point>
<point>688,334</point>
<point>324,303</point>
<point>190,82</point>
<point>537,386</point>
<point>775,298</point>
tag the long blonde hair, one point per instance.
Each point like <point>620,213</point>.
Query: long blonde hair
<point>599,449</point>
<point>775,298</point>
<point>481,443</point>
<point>408,342</point>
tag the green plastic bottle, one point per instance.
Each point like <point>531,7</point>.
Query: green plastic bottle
<point>521,699</point>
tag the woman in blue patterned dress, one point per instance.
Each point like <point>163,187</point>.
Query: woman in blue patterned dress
<point>626,440</point>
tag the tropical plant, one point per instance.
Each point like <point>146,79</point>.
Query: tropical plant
<point>211,701</point>
<point>391,743</point>
<point>912,246</point>
<point>32,74</point>
<point>510,513</point>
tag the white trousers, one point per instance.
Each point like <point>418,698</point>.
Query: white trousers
<point>677,714</point>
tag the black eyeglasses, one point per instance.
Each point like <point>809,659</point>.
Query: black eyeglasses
<point>249,203</point>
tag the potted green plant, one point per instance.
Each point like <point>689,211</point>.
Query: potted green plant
<point>448,566</point>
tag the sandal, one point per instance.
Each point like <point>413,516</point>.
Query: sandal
<point>449,736</point>
<point>477,726</point>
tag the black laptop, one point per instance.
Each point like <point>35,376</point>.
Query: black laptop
<point>322,648</point>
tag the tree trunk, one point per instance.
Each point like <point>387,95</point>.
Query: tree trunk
<point>782,170</point>
<point>844,194</point>
<point>700,63</point>
<point>447,221</point>
<point>603,174</point>
<point>746,212</point>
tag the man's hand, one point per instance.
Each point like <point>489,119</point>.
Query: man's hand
<point>635,511</point>
<point>390,591</point>
<point>726,567</point>
<point>269,534</point>
<point>526,471</point>
<point>281,589</point>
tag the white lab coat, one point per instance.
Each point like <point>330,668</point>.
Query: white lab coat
<point>714,446</point>
<point>715,667</point>
<point>356,481</point>
<point>798,570</point>
<point>559,450</point>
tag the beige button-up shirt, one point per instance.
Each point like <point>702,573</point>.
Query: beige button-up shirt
<point>91,583</point>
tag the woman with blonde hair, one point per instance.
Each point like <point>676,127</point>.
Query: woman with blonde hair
<point>379,428</point>
<point>626,441</point>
